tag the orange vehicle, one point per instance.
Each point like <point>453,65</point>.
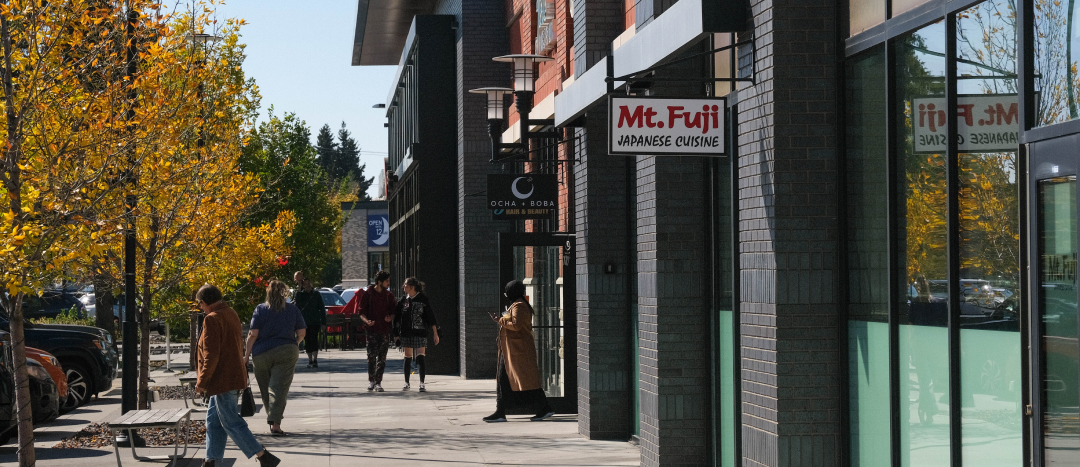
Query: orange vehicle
<point>52,365</point>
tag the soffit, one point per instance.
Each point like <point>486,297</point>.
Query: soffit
<point>382,27</point>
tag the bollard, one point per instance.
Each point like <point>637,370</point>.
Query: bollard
<point>168,351</point>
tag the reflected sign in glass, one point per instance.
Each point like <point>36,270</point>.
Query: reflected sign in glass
<point>985,123</point>
<point>378,228</point>
<point>523,196</point>
<point>659,126</point>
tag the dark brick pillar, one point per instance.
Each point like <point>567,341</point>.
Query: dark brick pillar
<point>788,238</point>
<point>672,315</point>
<point>596,24</point>
<point>481,36</point>
<point>605,340</point>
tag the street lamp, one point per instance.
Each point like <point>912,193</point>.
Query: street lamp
<point>524,77</point>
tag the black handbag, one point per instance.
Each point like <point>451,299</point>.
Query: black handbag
<point>247,401</point>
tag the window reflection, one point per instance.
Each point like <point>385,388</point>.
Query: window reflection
<point>988,127</point>
<point>923,272</point>
<point>1056,61</point>
<point>868,285</point>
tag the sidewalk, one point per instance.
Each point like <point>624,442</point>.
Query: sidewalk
<point>334,421</point>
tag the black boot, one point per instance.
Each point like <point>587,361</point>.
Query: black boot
<point>207,463</point>
<point>498,416</point>
<point>268,460</point>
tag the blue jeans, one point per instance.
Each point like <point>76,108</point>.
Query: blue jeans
<point>223,420</point>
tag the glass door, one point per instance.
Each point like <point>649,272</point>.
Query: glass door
<point>1058,400</point>
<point>541,261</point>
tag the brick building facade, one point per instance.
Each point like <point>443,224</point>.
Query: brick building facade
<point>842,284</point>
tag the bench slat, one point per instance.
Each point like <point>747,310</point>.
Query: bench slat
<point>150,418</point>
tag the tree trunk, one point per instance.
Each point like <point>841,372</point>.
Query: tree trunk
<point>103,303</point>
<point>22,383</point>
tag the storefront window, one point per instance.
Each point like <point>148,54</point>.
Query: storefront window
<point>863,14</point>
<point>990,375</point>
<point>921,126</point>
<point>1056,61</point>
<point>868,258</point>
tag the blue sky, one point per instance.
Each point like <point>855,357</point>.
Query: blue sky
<point>300,54</point>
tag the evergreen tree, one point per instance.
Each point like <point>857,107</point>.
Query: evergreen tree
<point>348,160</point>
<point>328,154</point>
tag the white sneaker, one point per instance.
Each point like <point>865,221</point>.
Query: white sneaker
<point>371,386</point>
<point>422,389</point>
<point>378,388</point>
<point>406,388</point>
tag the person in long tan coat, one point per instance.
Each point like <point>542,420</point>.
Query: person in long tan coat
<point>518,374</point>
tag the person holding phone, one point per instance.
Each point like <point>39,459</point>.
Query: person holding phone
<point>518,374</point>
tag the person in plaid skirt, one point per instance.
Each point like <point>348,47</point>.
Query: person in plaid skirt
<point>412,319</point>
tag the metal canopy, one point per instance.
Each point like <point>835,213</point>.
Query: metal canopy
<point>382,27</point>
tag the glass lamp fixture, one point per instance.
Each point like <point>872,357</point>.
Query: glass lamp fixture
<point>524,69</point>
<point>204,38</point>
<point>495,102</point>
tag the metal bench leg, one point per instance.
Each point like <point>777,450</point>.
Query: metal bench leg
<point>116,449</point>
<point>131,442</point>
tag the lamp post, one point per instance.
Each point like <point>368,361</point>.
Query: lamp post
<point>195,318</point>
<point>524,78</point>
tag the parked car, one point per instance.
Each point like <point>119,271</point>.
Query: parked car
<point>347,294</point>
<point>86,354</point>
<point>50,304</point>
<point>56,372</point>
<point>44,396</point>
<point>8,422</point>
<point>331,298</point>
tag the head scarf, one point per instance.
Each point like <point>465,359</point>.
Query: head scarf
<point>514,290</point>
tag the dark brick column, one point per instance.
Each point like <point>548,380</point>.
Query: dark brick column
<point>604,336</point>
<point>596,24</point>
<point>672,316</point>
<point>788,238</point>
<point>481,36</point>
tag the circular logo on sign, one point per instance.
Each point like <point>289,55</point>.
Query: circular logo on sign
<point>517,192</point>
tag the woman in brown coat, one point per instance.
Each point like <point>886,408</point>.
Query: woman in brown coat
<point>518,375</point>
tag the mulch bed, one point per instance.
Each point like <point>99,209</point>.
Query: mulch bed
<point>97,435</point>
<point>174,393</point>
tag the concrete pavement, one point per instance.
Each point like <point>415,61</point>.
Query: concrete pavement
<point>334,421</point>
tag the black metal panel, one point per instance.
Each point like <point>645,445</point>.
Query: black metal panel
<point>423,202</point>
<point>724,15</point>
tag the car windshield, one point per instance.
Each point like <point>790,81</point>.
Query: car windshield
<point>331,299</point>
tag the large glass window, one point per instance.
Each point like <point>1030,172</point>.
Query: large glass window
<point>900,6</point>
<point>1057,59</point>
<point>990,370</point>
<point>1058,310</point>
<point>868,260</point>
<point>922,273</point>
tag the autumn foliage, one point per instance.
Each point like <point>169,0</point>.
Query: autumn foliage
<point>105,102</point>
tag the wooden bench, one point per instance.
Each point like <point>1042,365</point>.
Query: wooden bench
<point>166,418</point>
<point>189,381</point>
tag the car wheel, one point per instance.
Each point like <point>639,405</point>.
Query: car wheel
<point>79,390</point>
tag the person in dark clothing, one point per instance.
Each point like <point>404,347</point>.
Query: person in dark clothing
<point>377,312</point>
<point>518,374</point>
<point>311,307</point>
<point>412,319</point>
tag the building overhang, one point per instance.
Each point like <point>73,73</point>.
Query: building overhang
<point>671,33</point>
<point>382,27</point>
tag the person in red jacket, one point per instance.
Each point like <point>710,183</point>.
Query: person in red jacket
<point>221,374</point>
<point>377,312</point>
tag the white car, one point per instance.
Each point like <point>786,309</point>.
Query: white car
<point>348,294</point>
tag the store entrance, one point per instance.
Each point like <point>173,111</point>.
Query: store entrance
<point>543,261</point>
<point>1055,367</point>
